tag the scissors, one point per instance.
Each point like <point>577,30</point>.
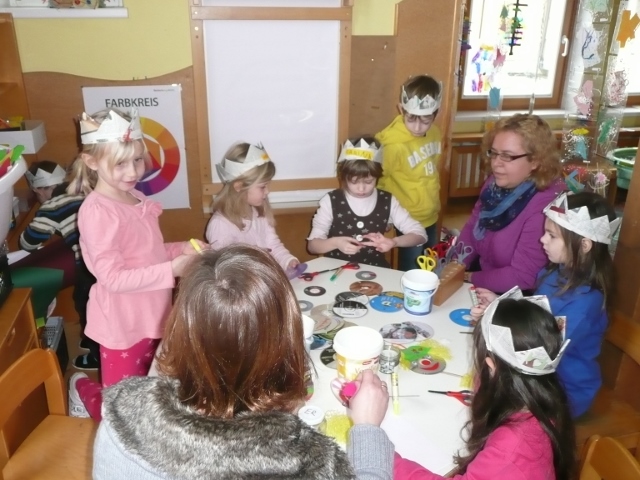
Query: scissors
<point>442,262</point>
<point>307,277</point>
<point>464,396</point>
<point>459,252</point>
<point>440,249</point>
<point>430,252</point>
<point>427,262</point>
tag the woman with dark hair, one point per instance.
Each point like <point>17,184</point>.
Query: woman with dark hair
<point>520,426</point>
<point>523,164</point>
<point>232,367</point>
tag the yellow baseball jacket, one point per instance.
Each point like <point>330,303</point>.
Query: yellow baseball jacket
<point>410,169</point>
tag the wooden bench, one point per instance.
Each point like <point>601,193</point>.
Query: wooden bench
<point>611,415</point>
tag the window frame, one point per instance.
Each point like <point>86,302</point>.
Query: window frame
<point>522,103</point>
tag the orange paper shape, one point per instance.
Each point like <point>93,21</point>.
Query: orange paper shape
<point>628,25</point>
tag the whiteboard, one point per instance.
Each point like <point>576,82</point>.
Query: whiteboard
<point>275,82</point>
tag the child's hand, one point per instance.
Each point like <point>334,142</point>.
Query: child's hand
<point>293,264</point>
<point>477,312</point>
<point>369,404</point>
<point>190,247</point>
<point>485,297</point>
<point>379,241</point>
<point>347,245</point>
<point>179,264</point>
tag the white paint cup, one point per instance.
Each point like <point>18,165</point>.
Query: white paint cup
<point>308,325</point>
<point>357,348</point>
<point>418,287</point>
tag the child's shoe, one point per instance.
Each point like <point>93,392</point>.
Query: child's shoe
<point>86,362</point>
<point>76,407</point>
<point>84,344</point>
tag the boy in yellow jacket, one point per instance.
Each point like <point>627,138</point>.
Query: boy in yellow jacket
<point>412,146</point>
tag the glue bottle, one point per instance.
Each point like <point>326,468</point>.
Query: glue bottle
<point>313,416</point>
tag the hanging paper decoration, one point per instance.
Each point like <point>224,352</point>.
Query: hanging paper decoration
<point>584,98</point>
<point>515,33</point>
<point>597,6</point>
<point>628,25</point>
<point>466,30</point>
<point>589,49</point>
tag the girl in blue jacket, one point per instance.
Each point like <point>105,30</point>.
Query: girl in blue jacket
<point>578,282</point>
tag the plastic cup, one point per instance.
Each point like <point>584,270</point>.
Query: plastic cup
<point>357,348</point>
<point>418,287</point>
<point>308,325</point>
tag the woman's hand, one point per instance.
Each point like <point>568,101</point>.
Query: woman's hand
<point>379,242</point>
<point>369,404</point>
<point>347,245</point>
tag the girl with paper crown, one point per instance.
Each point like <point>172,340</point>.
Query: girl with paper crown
<point>351,221</point>
<point>241,211</point>
<point>520,426</point>
<point>122,246</point>
<point>578,282</point>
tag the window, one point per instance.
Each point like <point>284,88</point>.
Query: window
<point>516,46</point>
<point>629,55</point>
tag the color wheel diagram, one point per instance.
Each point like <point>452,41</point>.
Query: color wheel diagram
<point>165,157</point>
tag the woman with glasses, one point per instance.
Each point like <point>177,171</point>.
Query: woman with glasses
<point>507,222</point>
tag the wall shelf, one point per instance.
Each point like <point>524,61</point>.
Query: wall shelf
<point>49,13</point>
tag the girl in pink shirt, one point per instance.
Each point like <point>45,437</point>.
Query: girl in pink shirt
<point>241,211</point>
<point>520,426</point>
<point>122,246</point>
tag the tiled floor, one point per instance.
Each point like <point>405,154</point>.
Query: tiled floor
<point>456,215</point>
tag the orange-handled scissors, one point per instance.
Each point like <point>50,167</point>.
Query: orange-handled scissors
<point>464,396</point>
<point>308,276</point>
<point>430,252</point>
<point>427,262</point>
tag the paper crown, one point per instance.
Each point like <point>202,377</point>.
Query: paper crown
<point>360,151</point>
<point>578,220</point>
<point>43,178</point>
<point>535,361</point>
<point>420,106</point>
<point>229,170</point>
<point>114,128</point>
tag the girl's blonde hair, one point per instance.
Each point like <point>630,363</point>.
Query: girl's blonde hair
<point>83,178</point>
<point>232,203</point>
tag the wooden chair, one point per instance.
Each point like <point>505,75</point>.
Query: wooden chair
<point>59,447</point>
<point>606,458</point>
<point>610,415</point>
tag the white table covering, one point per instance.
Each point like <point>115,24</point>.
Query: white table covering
<point>428,428</point>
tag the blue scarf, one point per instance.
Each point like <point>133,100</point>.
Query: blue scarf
<point>501,205</point>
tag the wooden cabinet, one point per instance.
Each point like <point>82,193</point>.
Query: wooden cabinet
<point>13,96</point>
<point>18,332</point>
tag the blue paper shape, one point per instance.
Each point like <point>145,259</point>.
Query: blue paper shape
<point>494,97</point>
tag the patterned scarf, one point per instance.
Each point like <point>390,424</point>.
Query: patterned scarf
<point>501,205</point>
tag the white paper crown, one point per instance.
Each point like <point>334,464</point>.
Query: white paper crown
<point>420,106</point>
<point>578,220</point>
<point>360,151</point>
<point>229,170</point>
<point>113,128</point>
<point>42,178</point>
<point>535,361</point>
